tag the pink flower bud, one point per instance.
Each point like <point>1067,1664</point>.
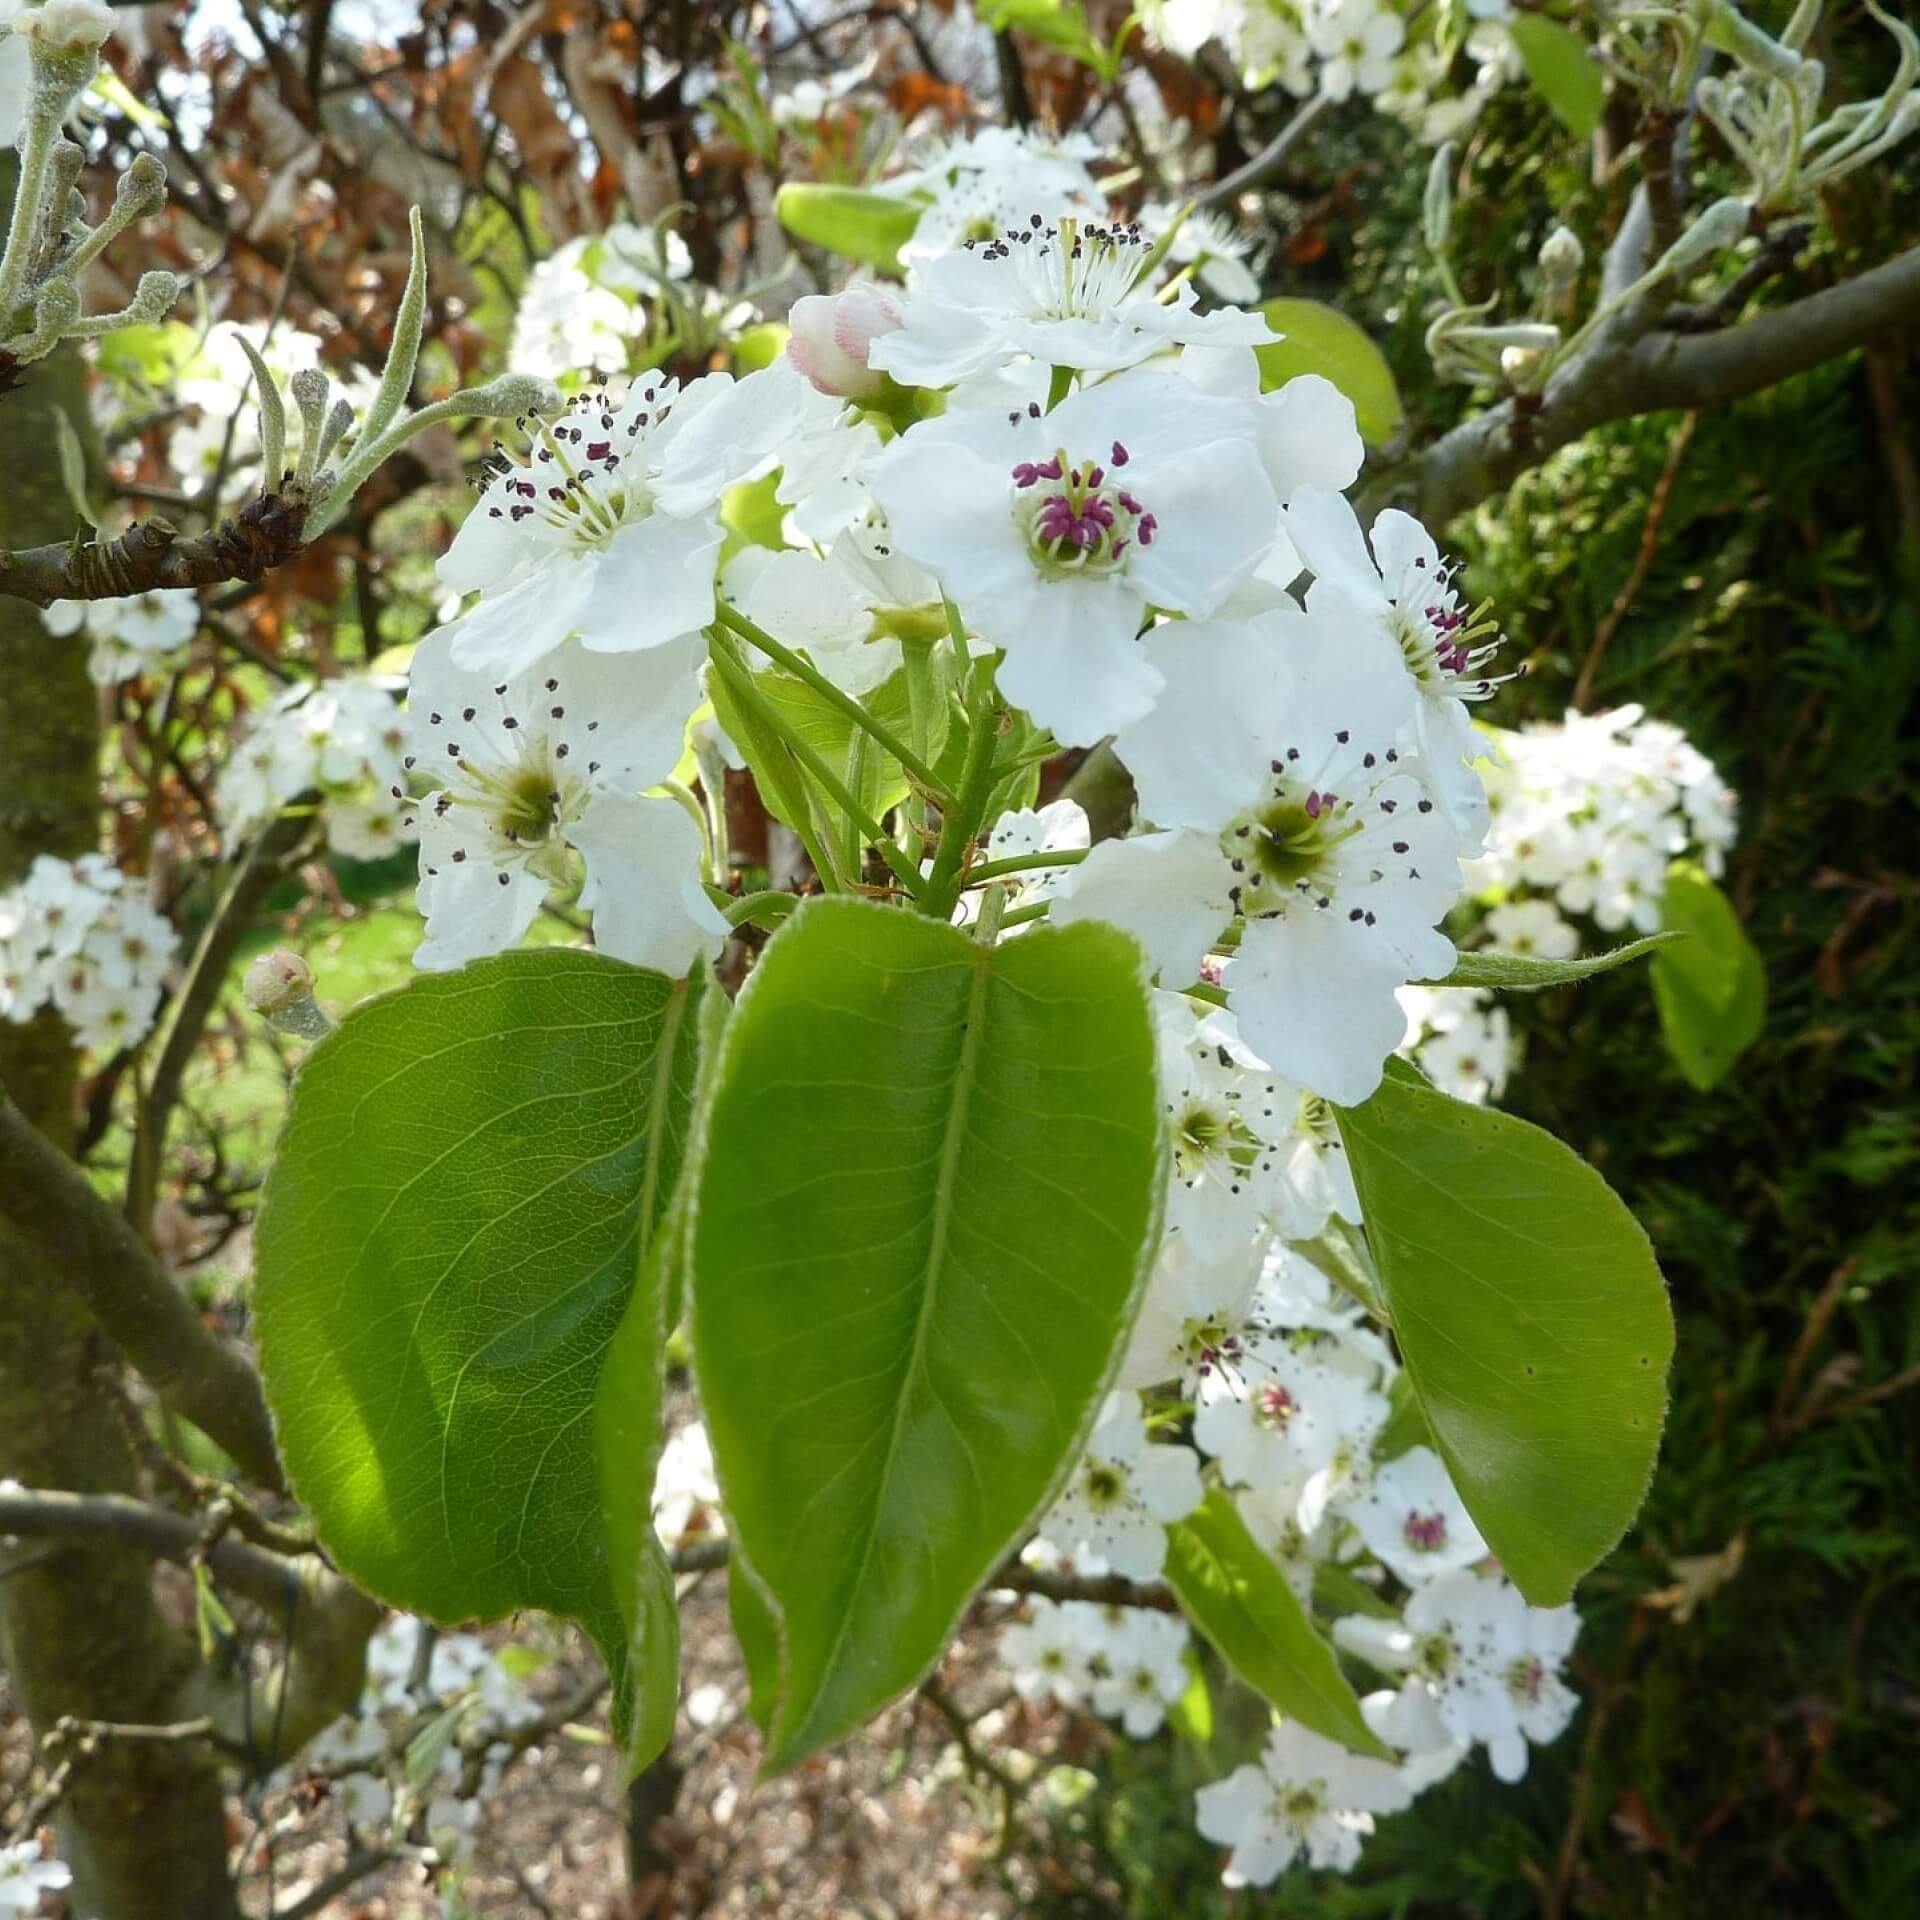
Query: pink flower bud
<point>832,333</point>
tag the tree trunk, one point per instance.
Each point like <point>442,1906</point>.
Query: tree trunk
<point>142,1825</point>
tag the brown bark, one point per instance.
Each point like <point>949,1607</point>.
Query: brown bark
<point>142,1823</point>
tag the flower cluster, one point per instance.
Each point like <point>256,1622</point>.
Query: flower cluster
<point>370,1753</point>
<point>139,634</point>
<point>77,934</point>
<point>1286,1397</point>
<point>1398,57</point>
<point>342,741</point>
<point>589,303</point>
<point>1588,815</point>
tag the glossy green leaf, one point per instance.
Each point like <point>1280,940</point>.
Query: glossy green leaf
<point>757,1629</point>
<point>1562,70</point>
<point>927,1206</point>
<point>1532,1320</point>
<point>1321,339</point>
<point>468,1185</point>
<point>850,221</point>
<point>1711,989</point>
<point>1527,973</point>
<point>1234,1592</point>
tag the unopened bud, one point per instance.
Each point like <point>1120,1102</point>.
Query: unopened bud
<point>143,187</point>
<point>1436,213</point>
<point>1562,256</point>
<point>1722,225</point>
<point>279,987</point>
<point>65,26</point>
<point>154,298</point>
<point>1520,363</point>
<point>833,334</point>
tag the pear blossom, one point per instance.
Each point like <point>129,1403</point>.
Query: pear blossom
<point>1119,1499</point>
<point>1413,1519</point>
<point>1046,1653</point>
<point>548,760</point>
<point>1532,927</point>
<point>1356,41</point>
<point>1489,1663</point>
<point>1308,1797</point>
<point>1211,243</point>
<point>1146,1671</point>
<point>1198,1320</point>
<point>577,540</point>
<point>26,1873</point>
<point>137,634</point>
<point>1405,589</point>
<point>1300,1416</point>
<point>1066,294</point>
<point>1056,532</point>
<point>1302,816</point>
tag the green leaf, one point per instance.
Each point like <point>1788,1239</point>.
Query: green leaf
<point>1061,24</point>
<point>1526,973</point>
<point>73,468</point>
<point>1562,69</point>
<point>760,345</point>
<point>1531,1317</point>
<point>850,221</point>
<point>1321,339</point>
<point>757,1628</point>
<point>927,1207</point>
<point>1192,1714</point>
<point>1710,989</point>
<point>1235,1593</point>
<point>468,1184</point>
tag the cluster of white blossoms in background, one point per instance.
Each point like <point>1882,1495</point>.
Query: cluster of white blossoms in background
<point>1341,48</point>
<point>1285,1395</point>
<point>79,934</point>
<point>219,432</point>
<point>1588,815</point>
<point>139,634</point>
<point>371,1757</point>
<point>345,742</point>
<point>588,305</point>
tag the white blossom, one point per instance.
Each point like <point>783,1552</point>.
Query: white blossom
<point>1489,1663</point>
<point>1271,767</point>
<point>1119,1498</point>
<point>1308,1798</point>
<point>1056,531</point>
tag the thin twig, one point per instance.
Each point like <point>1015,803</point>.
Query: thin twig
<point>1642,563</point>
<point>1268,159</point>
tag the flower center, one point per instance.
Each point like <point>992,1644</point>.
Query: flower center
<point>1447,647</point>
<point>586,476</point>
<point>1077,270</point>
<point>1525,1678</point>
<point>1078,518</point>
<point>1436,1657</point>
<point>1274,1408</point>
<point>1104,1485</point>
<point>1286,847</point>
<point>1302,1803</point>
<point>1212,1346</point>
<point>1425,1532</point>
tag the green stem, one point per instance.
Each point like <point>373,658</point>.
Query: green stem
<point>1025,863</point>
<point>761,731</point>
<point>1023,916</point>
<point>740,684</point>
<point>993,908</point>
<point>763,909</point>
<point>803,669</point>
<point>962,821</point>
<point>23,232</point>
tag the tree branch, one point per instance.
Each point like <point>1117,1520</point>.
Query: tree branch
<point>1104,1590</point>
<point>1621,376</point>
<point>200,1376</point>
<point>264,534</point>
<point>325,1620</point>
<point>233,918</point>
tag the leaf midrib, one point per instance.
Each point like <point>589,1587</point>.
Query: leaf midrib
<point>944,1183</point>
